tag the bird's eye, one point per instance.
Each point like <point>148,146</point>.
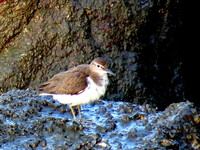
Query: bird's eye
<point>98,66</point>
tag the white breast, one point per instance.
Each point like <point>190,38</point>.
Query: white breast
<point>91,93</point>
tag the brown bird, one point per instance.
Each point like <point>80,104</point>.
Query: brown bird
<point>79,85</point>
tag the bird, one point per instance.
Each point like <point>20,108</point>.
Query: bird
<point>79,85</point>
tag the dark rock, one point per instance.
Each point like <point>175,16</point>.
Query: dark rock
<point>142,38</point>
<point>31,122</point>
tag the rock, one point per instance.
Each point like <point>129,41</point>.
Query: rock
<point>31,122</point>
<point>41,38</point>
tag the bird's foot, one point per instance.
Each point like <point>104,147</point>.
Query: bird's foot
<point>79,121</point>
<point>86,121</point>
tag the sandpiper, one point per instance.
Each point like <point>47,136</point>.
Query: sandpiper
<point>79,85</point>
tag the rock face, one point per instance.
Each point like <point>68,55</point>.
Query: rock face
<point>31,122</point>
<point>140,39</point>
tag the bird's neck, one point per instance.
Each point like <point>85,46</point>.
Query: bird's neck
<point>99,79</point>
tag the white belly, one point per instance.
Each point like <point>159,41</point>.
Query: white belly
<point>91,93</point>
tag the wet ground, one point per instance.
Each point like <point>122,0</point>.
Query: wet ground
<point>28,121</point>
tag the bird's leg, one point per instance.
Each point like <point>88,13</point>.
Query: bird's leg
<point>79,111</point>
<point>80,116</point>
<point>73,113</point>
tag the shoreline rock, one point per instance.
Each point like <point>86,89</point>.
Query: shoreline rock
<point>31,122</point>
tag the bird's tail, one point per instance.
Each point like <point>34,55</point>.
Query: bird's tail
<point>63,98</point>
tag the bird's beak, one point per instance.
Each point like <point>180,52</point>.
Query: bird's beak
<point>109,71</point>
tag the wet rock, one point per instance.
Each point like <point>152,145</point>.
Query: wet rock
<point>166,143</point>
<point>31,122</point>
<point>197,119</point>
<point>125,119</point>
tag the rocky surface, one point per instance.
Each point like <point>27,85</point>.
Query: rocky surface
<point>142,38</point>
<point>30,122</point>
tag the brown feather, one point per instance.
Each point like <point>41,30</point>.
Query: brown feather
<point>100,60</point>
<point>69,82</point>
<point>97,79</point>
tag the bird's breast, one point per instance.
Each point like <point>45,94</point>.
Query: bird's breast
<point>96,89</point>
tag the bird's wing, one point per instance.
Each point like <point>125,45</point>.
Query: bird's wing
<point>69,82</point>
